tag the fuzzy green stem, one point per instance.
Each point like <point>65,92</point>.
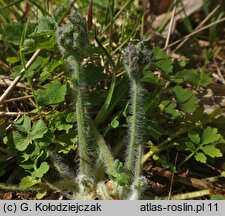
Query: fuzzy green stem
<point>105,152</point>
<point>135,142</point>
<point>81,124</point>
<point>139,153</point>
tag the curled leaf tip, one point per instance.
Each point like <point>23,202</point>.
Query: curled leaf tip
<point>135,58</point>
<point>72,37</point>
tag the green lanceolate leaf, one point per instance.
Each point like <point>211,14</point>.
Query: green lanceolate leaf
<point>53,94</point>
<point>210,135</point>
<point>186,99</point>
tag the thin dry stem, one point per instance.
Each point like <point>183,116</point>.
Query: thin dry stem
<point>5,81</point>
<point>18,78</point>
<point>13,113</point>
<point>18,99</point>
<point>171,25</point>
<point>197,31</point>
<point>198,27</point>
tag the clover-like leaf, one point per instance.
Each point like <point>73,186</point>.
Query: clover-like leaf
<point>38,130</point>
<point>185,98</point>
<point>39,172</point>
<point>54,93</point>
<point>21,142</point>
<point>210,135</point>
<point>27,182</point>
<point>60,120</point>
<point>200,157</point>
<point>160,60</point>
<point>192,76</point>
<point>190,146</point>
<point>71,117</point>
<point>169,109</point>
<point>122,179</point>
<point>117,165</point>
<point>23,124</point>
<point>194,137</point>
<point>211,151</point>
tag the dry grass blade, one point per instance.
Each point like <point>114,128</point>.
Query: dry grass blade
<point>5,81</point>
<point>171,25</point>
<point>17,79</point>
<point>13,113</point>
<point>197,31</point>
<point>199,26</point>
<point>18,99</point>
<point>191,195</point>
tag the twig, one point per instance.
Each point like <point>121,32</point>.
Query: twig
<point>197,31</point>
<point>191,182</point>
<point>199,26</point>
<point>5,81</point>
<point>17,79</point>
<point>171,25</point>
<point>13,113</point>
<point>191,195</point>
<point>219,72</point>
<point>18,98</point>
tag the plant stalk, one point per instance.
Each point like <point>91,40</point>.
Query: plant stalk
<point>134,127</point>
<point>81,124</point>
